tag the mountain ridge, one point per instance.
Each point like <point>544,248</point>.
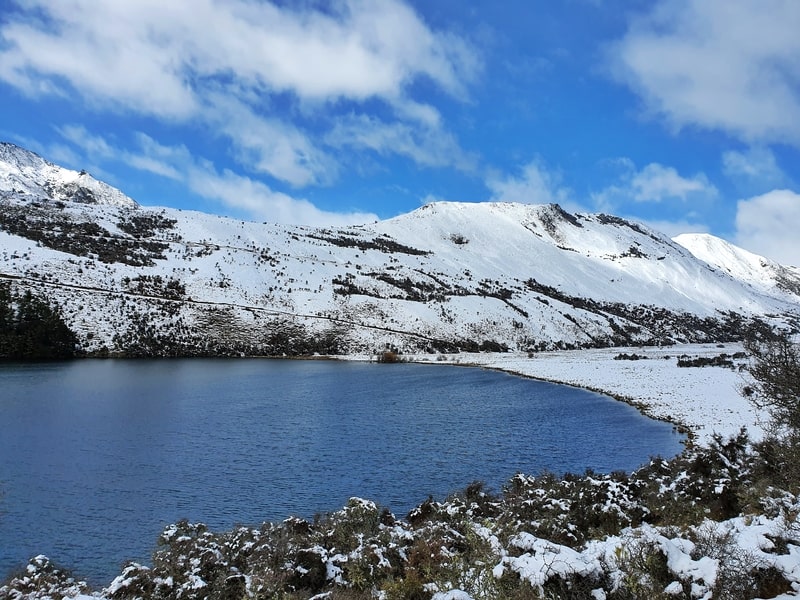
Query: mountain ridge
<point>148,281</point>
<point>742,264</point>
<point>25,172</point>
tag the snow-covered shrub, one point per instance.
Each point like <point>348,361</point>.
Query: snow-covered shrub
<point>572,509</point>
<point>700,483</point>
<point>775,387</point>
<point>135,581</point>
<point>346,529</point>
<point>42,580</point>
<point>692,527</point>
<point>640,570</point>
<point>738,567</point>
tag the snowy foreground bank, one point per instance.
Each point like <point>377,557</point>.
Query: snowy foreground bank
<point>704,400</point>
<point>710,523</point>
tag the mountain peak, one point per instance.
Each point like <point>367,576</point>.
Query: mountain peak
<point>29,177</point>
<point>15,156</point>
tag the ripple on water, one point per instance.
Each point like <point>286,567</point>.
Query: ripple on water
<point>98,456</point>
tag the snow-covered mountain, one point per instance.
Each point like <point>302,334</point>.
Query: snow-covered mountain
<point>141,280</point>
<point>756,270</point>
<point>28,176</point>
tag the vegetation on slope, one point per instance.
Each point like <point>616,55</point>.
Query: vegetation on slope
<point>30,329</point>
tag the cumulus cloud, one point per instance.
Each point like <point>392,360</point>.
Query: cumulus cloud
<point>653,183</point>
<point>238,192</point>
<point>233,66</point>
<point>767,225</point>
<point>729,65</point>
<point>534,185</point>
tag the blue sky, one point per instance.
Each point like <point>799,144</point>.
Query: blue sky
<point>683,114</point>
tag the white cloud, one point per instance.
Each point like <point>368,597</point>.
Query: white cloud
<point>94,146</point>
<point>730,65</point>
<point>242,69</point>
<point>154,57</point>
<point>269,145</point>
<point>756,166</point>
<point>653,183</point>
<point>426,146</point>
<point>259,200</point>
<point>656,183</point>
<point>59,153</point>
<point>535,185</point>
<point>98,149</point>
<point>237,192</point>
<point>767,225</point>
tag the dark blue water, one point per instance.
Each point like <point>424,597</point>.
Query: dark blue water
<point>97,456</point>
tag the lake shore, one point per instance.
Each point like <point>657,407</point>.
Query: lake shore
<point>700,401</point>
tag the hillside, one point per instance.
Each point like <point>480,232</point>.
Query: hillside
<point>759,271</point>
<point>133,280</point>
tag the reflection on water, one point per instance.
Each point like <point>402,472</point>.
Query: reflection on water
<point>97,456</point>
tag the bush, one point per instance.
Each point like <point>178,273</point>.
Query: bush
<point>775,369</point>
<point>388,356</point>
<point>42,579</point>
<point>775,388</point>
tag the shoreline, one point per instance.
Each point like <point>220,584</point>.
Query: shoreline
<point>699,402</point>
<point>562,371</point>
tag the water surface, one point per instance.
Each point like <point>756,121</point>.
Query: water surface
<point>97,456</point>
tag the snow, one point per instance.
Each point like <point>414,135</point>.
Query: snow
<point>741,264</point>
<point>507,273</point>
<point>24,172</point>
<point>544,559</point>
<point>258,272</point>
<point>590,256</point>
<point>452,595</point>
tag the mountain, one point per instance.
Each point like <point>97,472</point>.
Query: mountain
<point>26,175</point>
<point>756,270</point>
<point>138,281</point>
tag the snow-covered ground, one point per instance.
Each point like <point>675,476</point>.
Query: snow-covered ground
<point>705,400</point>
<point>518,275</point>
<point>446,276</point>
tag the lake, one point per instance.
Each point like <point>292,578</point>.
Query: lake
<point>96,457</point>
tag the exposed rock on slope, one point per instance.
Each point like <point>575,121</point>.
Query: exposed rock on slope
<point>145,281</point>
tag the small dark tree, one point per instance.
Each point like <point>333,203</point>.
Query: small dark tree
<point>31,330</point>
<point>775,387</point>
<point>775,368</point>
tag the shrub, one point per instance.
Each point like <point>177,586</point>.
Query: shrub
<point>388,356</point>
<point>775,388</point>
<point>42,579</point>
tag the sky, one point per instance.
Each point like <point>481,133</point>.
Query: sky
<point>681,114</point>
